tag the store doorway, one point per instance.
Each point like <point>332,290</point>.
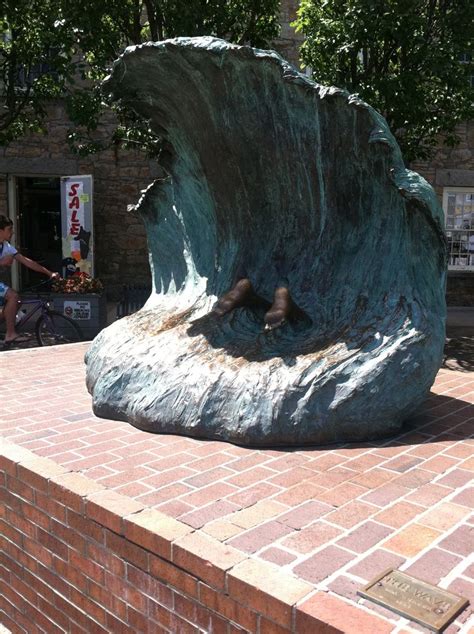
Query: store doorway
<point>38,226</point>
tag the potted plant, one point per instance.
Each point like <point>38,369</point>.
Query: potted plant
<point>78,282</point>
<point>81,298</point>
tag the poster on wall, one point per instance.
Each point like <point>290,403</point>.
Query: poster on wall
<point>76,223</point>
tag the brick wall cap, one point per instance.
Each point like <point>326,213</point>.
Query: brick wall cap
<point>76,483</point>
<point>210,550</point>
<point>268,578</point>
<point>43,467</point>
<point>111,498</point>
<point>108,508</point>
<point>156,522</point>
<point>13,452</point>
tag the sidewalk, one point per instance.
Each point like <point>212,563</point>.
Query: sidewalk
<point>460,319</point>
<point>328,518</point>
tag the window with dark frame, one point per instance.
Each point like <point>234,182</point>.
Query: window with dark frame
<point>458,205</point>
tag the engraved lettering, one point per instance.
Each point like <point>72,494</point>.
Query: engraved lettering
<point>401,585</point>
<point>423,595</point>
<point>416,599</point>
<point>429,598</point>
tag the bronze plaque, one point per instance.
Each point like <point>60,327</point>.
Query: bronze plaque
<point>417,600</point>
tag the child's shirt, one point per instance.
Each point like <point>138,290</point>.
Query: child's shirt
<point>7,249</point>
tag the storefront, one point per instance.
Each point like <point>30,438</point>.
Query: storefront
<point>53,225</point>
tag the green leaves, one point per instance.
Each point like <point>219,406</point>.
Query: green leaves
<point>64,48</point>
<point>402,56</point>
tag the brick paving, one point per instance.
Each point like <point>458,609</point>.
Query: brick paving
<point>332,517</point>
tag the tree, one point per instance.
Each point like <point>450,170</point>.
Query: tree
<point>242,21</point>
<point>402,56</point>
<point>63,49</point>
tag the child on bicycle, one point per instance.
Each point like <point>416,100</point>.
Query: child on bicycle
<point>9,300</point>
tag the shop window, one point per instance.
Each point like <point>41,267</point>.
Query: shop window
<point>466,58</point>
<point>458,204</point>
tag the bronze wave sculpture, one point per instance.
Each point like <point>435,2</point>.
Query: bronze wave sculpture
<point>298,267</point>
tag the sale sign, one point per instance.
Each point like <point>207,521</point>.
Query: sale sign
<point>76,221</point>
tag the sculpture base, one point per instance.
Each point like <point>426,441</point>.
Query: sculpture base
<point>179,380</point>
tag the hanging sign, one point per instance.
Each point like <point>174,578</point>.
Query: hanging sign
<point>76,222</point>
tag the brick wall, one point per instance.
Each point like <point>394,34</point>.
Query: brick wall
<point>80,558</point>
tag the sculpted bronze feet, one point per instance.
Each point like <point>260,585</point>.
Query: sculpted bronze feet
<point>239,295</point>
<point>280,309</point>
<point>243,294</point>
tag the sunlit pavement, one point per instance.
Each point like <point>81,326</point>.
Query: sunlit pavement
<point>333,516</point>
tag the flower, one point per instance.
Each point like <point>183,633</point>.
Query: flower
<point>78,282</point>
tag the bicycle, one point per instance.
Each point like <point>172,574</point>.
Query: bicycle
<point>51,327</point>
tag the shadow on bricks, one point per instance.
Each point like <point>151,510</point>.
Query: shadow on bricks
<point>459,353</point>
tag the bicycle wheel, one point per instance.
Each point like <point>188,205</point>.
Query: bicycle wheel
<point>53,329</point>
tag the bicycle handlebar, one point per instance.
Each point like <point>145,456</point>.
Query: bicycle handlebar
<point>35,287</point>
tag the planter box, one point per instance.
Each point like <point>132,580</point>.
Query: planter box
<point>89,311</point>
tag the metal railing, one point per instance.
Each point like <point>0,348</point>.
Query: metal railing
<point>132,299</point>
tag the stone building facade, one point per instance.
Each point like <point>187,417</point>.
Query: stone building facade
<point>451,173</point>
<point>121,255</point>
<point>119,176</point>
<point>289,42</point>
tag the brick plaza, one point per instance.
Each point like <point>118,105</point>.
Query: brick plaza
<point>107,528</point>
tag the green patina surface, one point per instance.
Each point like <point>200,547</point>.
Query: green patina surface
<point>275,176</point>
